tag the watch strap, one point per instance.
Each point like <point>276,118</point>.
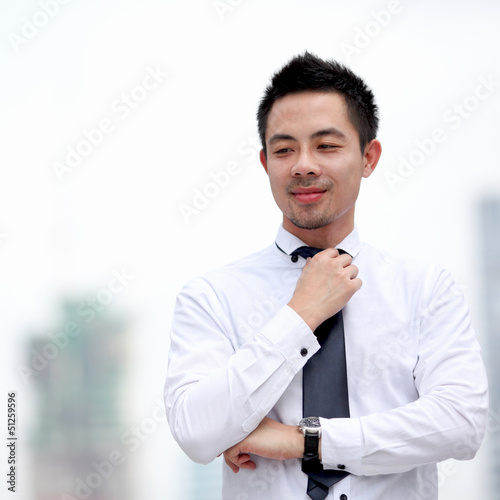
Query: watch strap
<point>311,446</point>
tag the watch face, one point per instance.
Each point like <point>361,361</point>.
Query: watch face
<point>310,423</point>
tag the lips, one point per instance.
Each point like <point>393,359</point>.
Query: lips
<point>308,195</point>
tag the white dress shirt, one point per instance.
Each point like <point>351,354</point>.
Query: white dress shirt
<point>416,380</point>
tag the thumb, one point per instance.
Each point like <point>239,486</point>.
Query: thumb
<point>308,260</point>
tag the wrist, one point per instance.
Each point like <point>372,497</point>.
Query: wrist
<point>299,442</point>
<point>308,316</point>
<point>310,428</point>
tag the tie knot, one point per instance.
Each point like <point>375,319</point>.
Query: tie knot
<point>308,252</point>
<point>305,252</point>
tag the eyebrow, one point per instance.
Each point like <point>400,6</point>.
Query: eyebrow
<point>329,131</point>
<point>320,133</point>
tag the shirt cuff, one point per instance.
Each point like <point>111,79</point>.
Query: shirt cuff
<point>342,444</point>
<point>291,336</point>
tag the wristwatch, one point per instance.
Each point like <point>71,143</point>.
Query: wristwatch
<point>311,428</point>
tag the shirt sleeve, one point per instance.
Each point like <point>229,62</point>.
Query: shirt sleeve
<point>216,394</point>
<point>447,420</point>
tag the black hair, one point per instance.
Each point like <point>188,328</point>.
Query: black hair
<point>308,72</point>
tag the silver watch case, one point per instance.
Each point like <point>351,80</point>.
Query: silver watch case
<point>310,425</point>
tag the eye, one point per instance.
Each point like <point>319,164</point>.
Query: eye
<point>282,151</point>
<point>327,146</point>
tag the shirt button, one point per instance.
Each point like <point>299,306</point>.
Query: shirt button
<point>295,258</point>
<point>303,352</point>
<point>343,497</point>
<point>341,467</point>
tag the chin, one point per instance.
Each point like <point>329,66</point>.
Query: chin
<point>311,224</point>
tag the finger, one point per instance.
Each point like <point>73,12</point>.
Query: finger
<point>353,271</point>
<point>307,264</point>
<point>345,259</point>
<point>357,283</point>
<point>244,457</point>
<point>329,252</point>
<point>232,466</point>
<point>244,462</point>
<point>248,465</point>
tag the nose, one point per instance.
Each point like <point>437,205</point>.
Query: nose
<point>305,165</point>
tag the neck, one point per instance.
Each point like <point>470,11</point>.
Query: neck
<point>328,236</point>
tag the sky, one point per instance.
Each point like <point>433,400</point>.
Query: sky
<point>129,148</point>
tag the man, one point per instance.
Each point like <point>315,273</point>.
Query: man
<point>244,336</point>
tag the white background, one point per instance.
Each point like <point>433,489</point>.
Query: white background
<point>120,208</point>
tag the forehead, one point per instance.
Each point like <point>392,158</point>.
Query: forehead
<point>307,112</point>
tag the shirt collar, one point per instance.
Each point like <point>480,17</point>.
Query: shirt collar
<point>288,242</point>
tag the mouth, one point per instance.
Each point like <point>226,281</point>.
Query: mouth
<point>307,195</point>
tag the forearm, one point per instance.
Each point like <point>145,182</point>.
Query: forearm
<point>271,439</point>
<point>218,406</point>
<point>447,421</point>
<point>400,440</point>
<point>449,417</point>
<point>427,431</point>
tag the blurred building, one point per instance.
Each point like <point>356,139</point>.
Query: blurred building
<point>490,261</point>
<point>78,385</point>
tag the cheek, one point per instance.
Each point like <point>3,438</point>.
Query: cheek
<point>277,189</point>
<point>348,184</point>
<point>278,182</point>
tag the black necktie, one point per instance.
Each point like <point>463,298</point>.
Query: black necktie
<point>324,388</point>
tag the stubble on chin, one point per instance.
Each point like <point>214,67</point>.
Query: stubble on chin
<point>309,217</point>
<point>311,223</point>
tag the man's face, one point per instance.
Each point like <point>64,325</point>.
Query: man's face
<point>314,161</point>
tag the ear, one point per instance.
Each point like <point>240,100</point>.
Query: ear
<point>263,160</point>
<point>373,150</point>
